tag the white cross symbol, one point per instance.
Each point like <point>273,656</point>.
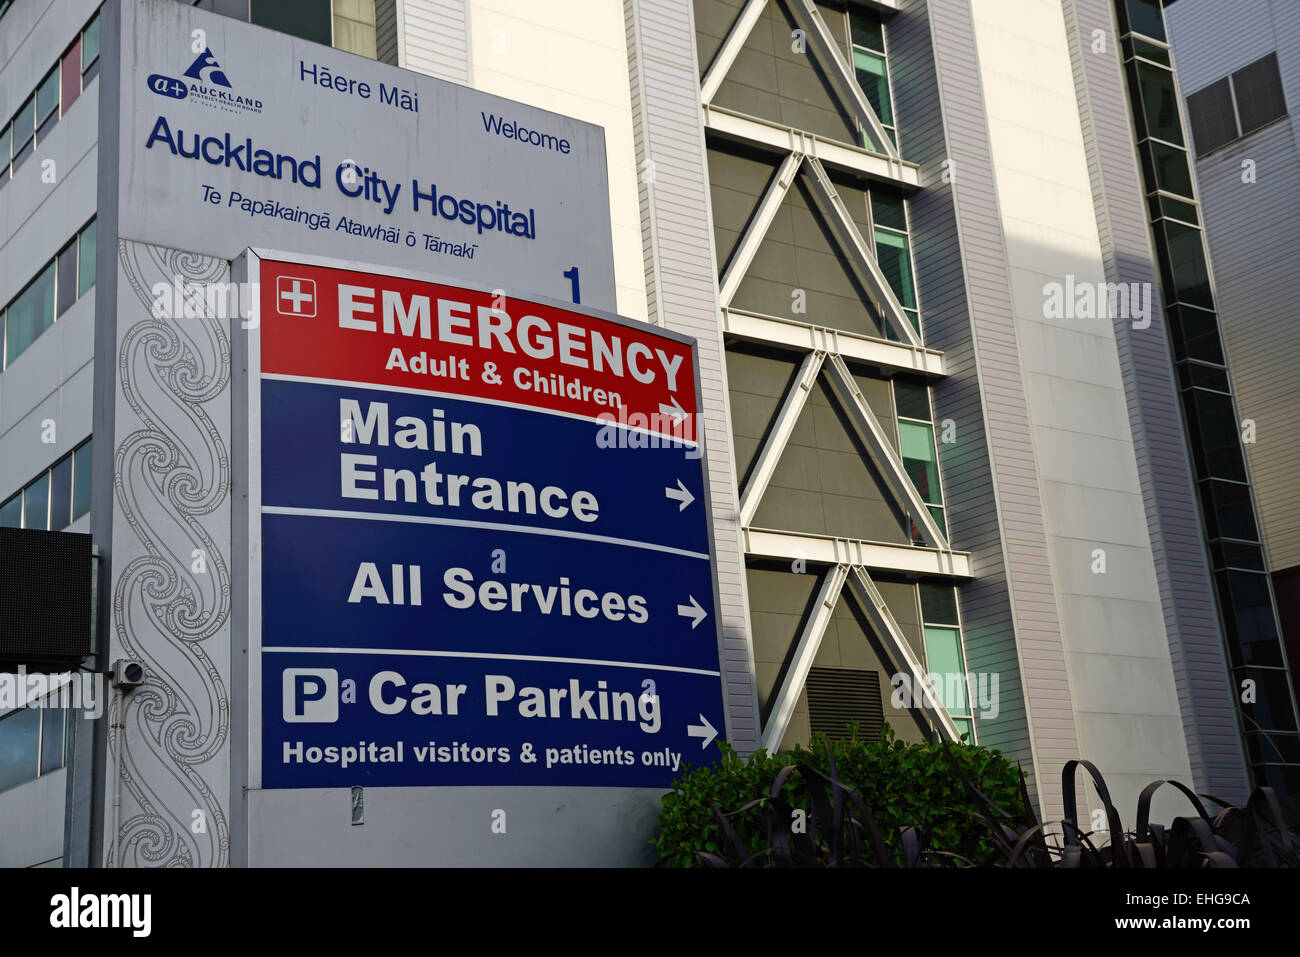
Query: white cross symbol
<point>297,297</point>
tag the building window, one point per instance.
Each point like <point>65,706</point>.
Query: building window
<point>1237,105</point>
<point>90,51</point>
<point>33,742</point>
<point>917,447</point>
<point>309,19</point>
<point>944,659</point>
<point>894,253</point>
<point>65,279</point>
<point>24,131</point>
<point>30,314</point>
<point>54,499</point>
<point>47,103</point>
<point>871,66</point>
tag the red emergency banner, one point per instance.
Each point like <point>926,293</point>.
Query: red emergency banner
<point>327,323</point>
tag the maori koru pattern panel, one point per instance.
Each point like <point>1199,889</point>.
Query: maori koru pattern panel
<point>171,588</point>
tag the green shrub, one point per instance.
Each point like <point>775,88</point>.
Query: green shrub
<point>903,785</point>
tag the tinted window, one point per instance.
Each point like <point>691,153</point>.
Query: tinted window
<point>1259,94</point>
<point>1213,122</point>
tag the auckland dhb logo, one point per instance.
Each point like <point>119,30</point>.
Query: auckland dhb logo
<point>207,64</point>
<point>206,82</point>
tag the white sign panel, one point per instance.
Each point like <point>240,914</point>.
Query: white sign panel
<point>230,132</point>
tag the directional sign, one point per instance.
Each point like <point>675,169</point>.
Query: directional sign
<point>481,528</point>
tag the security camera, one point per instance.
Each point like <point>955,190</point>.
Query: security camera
<point>127,673</point>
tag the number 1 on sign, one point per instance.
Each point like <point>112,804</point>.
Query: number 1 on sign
<point>572,276</point>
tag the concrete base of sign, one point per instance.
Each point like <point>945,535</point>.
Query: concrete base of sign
<point>460,827</point>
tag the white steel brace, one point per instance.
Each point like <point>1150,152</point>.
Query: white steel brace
<point>758,226</point>
<point>787,333</point>
<point>841,157</point>
<point>841,74</point>
<point>779,435</point>
<point>886,627</point>
<point>872,435</point>
<point>829,549</point>
<point>863,259</point>
<point>805,652</point>
<point>730,49</point>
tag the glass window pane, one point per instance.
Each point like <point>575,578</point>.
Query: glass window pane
<point>1134,46</point>
<point>1237,555</point>
<point>1169,169</point>
<point>867,29</point>
<point>936,513</point>
<point>86,259</point>
<point>896,264</point>
<point>912,397</point>
<point>24,124</point>
<point>1213,122</point>
<point>1248,614</point>
<point>1195,334</point>
<point>6,139</point>
<point>943,657</point>
<point>1272,705</point>
<point>61,494</point>
<point>66,266</point>
<point>81,480</point>
<point>11,512</point>
<point>30,314</point>
<point>55,721</point>
<point>1259,94</point>
<point>1144,16</point>
<point>90,43</point>
<point>874,80</point>
<point>1159,104</point>
<point>938,603</point>
<point>1184,267</point>
<point>917,444</point>
<point>47,96</point>
<point>36,503</point>
<point>887,210</point>
<point>1198,374</point>
<point>19,738</point>
<point>1214,435</point>
<point>308,19</point>
<point>1178,209</point>
<point>1228,511</point>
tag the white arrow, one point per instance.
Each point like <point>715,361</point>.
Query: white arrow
<point>692,611</point>
<point>675,410</point>
<point>706,731</point>
<point>680,493</point>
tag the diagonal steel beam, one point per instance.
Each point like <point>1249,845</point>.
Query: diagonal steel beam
<point>779,435</point>
<point>730,49</point>
<point>758,226</point>
<point>841,75</point>
<point>872,434</point>
<point>859,253</point>
<point>886,628</point>
<point>805,652</point>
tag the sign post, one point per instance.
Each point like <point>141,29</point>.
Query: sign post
<point>481,531</point>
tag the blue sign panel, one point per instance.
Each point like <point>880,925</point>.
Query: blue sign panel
<point>463,590</point>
